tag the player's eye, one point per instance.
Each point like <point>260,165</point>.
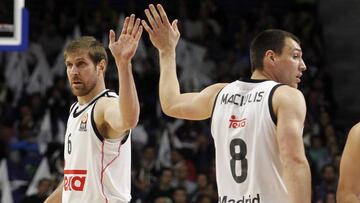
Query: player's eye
<point>80,64</point>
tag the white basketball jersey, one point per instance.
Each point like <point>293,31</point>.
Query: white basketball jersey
<point>96,169</point>
<point>248,168</point>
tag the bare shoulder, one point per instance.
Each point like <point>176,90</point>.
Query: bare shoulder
<point>106,116</point>
<point>356,128</point>
<point>286,92</point>
<point>107,100</point>
<point>289,98</point>
<point>215,87</point>
<point>288,95</point>
<point>354,133</point>
<point>212,91</point>
<point>104,103</point>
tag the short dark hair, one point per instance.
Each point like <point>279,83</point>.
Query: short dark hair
<point>96,50</point>
<point>271,39</point>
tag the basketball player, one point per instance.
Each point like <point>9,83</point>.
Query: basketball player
<point>97,140</point>
<point>349,181</point>
<point>257,124</point>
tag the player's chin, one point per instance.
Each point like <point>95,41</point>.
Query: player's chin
<point>77,92</point>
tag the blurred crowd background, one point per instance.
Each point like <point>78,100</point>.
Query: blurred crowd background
<point>173,160</point>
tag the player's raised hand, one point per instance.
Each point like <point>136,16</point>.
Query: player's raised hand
<point>163,35</point>
<point>124,48</point>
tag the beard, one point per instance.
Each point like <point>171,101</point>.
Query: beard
<point>82,89</point>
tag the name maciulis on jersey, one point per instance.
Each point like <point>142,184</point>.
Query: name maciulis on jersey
<point>241,100</point>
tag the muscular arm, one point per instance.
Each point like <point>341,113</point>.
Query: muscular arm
<point>56,196</point>
<point>193,106</point>
<point>349,182</point>
<point>116,117</point>
<point>289,107</point>
<point>128,99</point>
<point>165,36</point>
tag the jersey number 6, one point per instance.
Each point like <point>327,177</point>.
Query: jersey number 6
<point>238,156</point>
<point>69,145</point>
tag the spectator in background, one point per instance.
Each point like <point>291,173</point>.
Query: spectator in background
<point>181,178</point>
<point>44,188</point>
<point>180,195</point>
<point>328,182</point>
<point>162,200</point>
<point>204,189</point>
<point>162,188</point>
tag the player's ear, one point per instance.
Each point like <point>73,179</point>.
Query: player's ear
<point>269,58</point>
<point>101,66</point>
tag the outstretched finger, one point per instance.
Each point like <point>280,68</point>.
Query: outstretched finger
<point>136,27</point>
<point>163,15</point>
<point>150,19</point>
<point>131,24</point>
<point>138,34</point>
<point>125,25</point>
<point>111,37</point>
<point>146,26</point>
<point>155,14</point>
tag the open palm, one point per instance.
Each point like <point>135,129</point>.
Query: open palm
<point>125,47</point>
<point>163,35</point>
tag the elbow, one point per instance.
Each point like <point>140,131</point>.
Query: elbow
<point>131,121</point>
<point>169,111</point>
<point>293,160</point>
<point>166,109</point>
<point>168,105</point>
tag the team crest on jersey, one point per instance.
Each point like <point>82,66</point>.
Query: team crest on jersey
<point>237,123</point>
<point>83,122</point>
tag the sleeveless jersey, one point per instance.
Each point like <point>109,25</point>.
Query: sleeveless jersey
<point>248,167</point>
<point>96,169</point>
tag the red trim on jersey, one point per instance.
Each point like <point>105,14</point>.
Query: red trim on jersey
<point>103,169</point>
<point>75,172</point>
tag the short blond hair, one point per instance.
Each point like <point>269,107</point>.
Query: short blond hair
<point>95,49</point>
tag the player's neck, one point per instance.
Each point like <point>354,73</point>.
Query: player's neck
<point>261,75</point>
<point>92,94</point>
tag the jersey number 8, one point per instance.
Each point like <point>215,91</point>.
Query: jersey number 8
<point>238,156</point>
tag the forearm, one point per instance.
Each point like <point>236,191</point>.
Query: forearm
<point>128,99</point>
<point>298,181</point>
<point>169,84</point>
<point>56,196</point>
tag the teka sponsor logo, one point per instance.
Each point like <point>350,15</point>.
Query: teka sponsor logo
<point>74,180</point>
<point>250,199</point>
<point>237,123</point>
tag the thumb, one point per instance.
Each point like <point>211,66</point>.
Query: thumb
<point>174,25</point>
<point>111,37</point>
